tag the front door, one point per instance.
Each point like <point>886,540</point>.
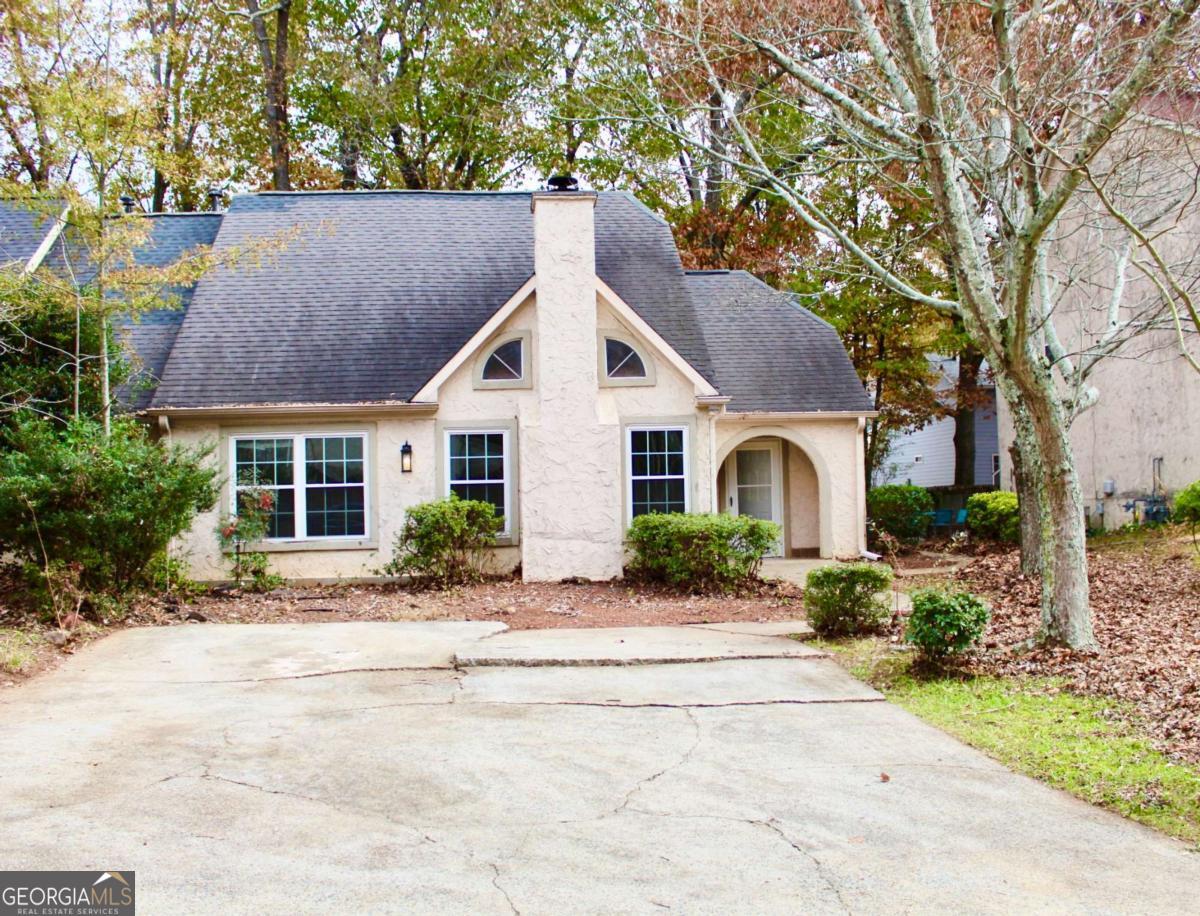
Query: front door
<point>757,485</point>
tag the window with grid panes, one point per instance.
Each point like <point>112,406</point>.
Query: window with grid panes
<point>657,470</point>
<point>325,498</point>
<point>477,467</point>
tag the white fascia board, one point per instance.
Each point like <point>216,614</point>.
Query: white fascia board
<point>55,230</point>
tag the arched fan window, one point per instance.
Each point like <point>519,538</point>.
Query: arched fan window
<point>621,361</point>
<point>507,362</point>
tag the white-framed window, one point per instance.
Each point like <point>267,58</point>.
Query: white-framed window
<point>996,471</point>
<point>658,469</point>
<point>622,361</point>
<point>319,482</point>
<point>478,466</point>
<point>505,362</point>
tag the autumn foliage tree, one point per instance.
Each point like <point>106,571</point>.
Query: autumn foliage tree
<point>1007,111</point>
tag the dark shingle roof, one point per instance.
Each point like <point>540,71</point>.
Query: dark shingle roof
<point>22,229</point>
<point>769,353</point>
<point>375,291</point>
<point>151,336</point>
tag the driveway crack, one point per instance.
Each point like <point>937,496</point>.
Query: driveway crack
<point>684,758</point>
<point>772,825</point>
<point>498,886</point>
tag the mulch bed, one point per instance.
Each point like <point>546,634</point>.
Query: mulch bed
<point>521,606</point>
<point>1146,615</point>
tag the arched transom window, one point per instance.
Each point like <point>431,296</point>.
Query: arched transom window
<point>506,363</point>
<point>621,361</point>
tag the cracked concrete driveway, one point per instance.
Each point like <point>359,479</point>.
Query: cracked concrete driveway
<point>353,767</point>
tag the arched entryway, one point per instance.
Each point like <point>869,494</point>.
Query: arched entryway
<point>771,472</point>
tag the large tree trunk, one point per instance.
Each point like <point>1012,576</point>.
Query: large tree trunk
<point>1046,458</point>
<point>966,400</point>
<point>1031,526</point>
<point>274,56</point>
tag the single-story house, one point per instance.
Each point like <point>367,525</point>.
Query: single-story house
<point>545,351</point>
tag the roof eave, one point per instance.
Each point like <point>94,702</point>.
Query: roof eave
<point>368,408</point>
<point>799,414</point>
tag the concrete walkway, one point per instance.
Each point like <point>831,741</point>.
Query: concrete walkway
<point>351,768</point>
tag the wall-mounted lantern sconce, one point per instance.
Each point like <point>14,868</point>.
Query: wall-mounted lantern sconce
<point>406,458</point>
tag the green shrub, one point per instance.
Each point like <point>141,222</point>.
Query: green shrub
<point>109,506</point>
<point>900,510</point>
<point>1187,504</point>
<point>845,600</point>
<point>702,553</point>
<point>945,623</point>
<point>445,542</point>
<point>994,516</point>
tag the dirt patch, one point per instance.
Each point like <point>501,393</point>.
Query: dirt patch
<point>1146,614</point>
<point>519,605</point>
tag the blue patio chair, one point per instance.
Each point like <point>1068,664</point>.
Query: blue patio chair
<point>943,518</point>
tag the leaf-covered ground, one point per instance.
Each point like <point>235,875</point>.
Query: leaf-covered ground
<point>1146,607</point>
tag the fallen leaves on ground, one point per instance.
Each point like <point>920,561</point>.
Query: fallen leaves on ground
<point>1146,615</point>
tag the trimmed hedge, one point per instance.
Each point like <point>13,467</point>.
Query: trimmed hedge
<point>901,510</point>
<point>994,516</point>
<point>844,600</point>
<point>445,542</point>
<point>701,553</point>
<point>945,623</point>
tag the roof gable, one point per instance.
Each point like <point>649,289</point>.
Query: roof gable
<point>379,290</point>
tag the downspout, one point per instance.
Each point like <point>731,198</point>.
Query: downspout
<point>861,473</point>
<point>713,413</point>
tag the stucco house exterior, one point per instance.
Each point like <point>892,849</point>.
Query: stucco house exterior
<point>545,351</point>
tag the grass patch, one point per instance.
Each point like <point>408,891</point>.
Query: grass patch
<point>1159,541</point>
<point>18,650</point>
<point>1091,747</point>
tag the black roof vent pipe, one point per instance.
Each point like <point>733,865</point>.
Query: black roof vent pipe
<point>127,202</point>
<point>565,183</point>
<point>216,197</point>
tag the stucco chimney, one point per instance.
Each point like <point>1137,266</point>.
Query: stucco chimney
<point>570,460</point>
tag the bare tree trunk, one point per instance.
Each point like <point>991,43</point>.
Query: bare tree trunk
<point>1031,549</point>
<point>105,395</point>
<point>78,363</point>
<point>966,400</point>
<point>274,56</point>
<point>1046,459</point>
<point>158,196</point>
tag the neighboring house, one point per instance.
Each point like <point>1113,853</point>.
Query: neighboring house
<point>542,351</point>
<point>926,456</point>
<point>1141,439</point>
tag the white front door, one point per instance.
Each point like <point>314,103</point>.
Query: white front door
<point>756,487</point>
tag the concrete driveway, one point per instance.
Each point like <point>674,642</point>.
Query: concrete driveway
<point>347,768</point>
